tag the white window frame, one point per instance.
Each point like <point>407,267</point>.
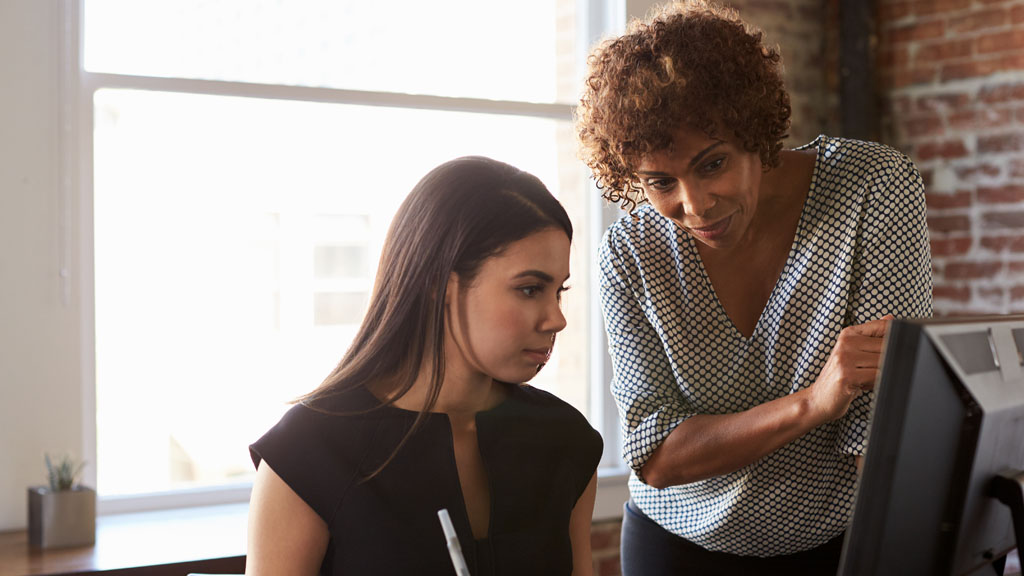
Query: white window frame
<point>77,88</point>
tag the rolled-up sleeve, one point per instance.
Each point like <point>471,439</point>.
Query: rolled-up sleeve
<point>645,390</point>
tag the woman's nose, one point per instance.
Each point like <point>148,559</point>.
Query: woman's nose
<point>554,320</point>
<point>694,201</point>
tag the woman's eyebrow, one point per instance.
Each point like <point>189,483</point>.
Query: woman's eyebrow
<point>697,158</point>
<point>536,274</point>
<point>705,152</point>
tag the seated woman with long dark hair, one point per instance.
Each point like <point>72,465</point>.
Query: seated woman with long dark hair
<point>428,411</point>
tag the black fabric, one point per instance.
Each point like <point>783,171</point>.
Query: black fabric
<point>539,453</point>
<point>648,549</point>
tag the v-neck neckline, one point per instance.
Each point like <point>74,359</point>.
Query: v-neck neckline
<point>481,416</point>
<point>819,144</point>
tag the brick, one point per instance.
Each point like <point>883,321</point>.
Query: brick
<point>1017,14</point>
<point>975,68</point>
<point>1014,60</point>
<point>1001,93</point>
<point>916,31</point>
<point>979,20</point>
<point>1001,42</point>
<point>947,149</point>
<point>1001,194</point>
<point>929,125</point>
<point>609,567</point>
<point>929,7</point>
<point>1003,243</point>
<point>1012,220</point>
<point>1012,142</point>
<point>1017,292</point>
<point>606,539</point>
<point>894,11</point>
<point>969,311</point>
<point>896,57</point>
<point>974,120</point>
<point>951,246</point>
<point>993,295</point>
<point>973,270</point>
<point>957,293</point>
<point>958,48</point>
<point>1016,267</point>
<point>1016,168</point>
<point>941,102</point>
<point>938,201</point>
<point>976,172</point>
<point>947,224</point>
<point>920,75</point>
<point>899,105</point>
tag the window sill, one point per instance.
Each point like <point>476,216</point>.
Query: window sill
<point>171,542</point>
<point>194,539</point>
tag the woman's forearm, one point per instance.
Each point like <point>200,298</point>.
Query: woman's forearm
<point>706,445</point>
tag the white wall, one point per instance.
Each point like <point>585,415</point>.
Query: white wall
<point>40,374</point>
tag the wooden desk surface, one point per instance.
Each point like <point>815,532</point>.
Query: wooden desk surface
<point>208,539</point>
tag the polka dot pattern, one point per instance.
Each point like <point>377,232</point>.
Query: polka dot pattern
<point>860,251</point>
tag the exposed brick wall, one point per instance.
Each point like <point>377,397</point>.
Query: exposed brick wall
<point>604,542</point>
<point>952,84</point>
<point>801,30</point>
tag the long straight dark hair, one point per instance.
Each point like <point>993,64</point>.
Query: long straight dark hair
<point>461,213</point>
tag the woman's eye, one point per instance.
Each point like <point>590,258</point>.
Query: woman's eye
<point>530,290</point>
<point>713,166</point>
<point>659,184</point>
<point>561,289</point>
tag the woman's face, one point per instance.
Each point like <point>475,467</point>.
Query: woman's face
<point>707,186</point>
<point>503,323</point>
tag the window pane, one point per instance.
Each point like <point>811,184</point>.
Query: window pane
<point>522,50</point>
<point>236,240</point>
<point>339,307</point>
<point>336,262</point>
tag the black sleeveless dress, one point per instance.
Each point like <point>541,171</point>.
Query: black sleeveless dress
<point>538,451</point>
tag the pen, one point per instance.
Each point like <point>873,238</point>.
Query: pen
<point>454,550</point>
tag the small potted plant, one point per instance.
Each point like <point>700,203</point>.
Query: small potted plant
<point>62,514</point>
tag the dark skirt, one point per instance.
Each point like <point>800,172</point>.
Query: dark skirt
<point>649,549</point>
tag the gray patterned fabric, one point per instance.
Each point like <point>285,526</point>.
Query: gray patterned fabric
<point>861,251</point>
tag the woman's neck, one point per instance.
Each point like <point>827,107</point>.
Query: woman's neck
<point>462,392</point>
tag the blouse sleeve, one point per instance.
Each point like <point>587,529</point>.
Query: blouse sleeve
<point>643,384</point>
<point>892,269</point>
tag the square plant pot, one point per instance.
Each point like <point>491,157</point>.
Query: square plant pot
<point>61,519</point>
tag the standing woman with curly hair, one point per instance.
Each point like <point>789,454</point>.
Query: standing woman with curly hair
<point>745,296</point>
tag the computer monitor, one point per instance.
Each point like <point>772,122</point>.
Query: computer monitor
<point>947,437</point>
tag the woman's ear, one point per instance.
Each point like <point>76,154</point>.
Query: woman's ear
<point>452,288</point>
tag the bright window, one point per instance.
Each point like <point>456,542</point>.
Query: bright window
<point>247,157</point>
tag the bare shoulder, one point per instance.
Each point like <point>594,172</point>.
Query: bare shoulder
<point>286,536</point>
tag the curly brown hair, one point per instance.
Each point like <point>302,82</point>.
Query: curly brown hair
<point>693,63</point>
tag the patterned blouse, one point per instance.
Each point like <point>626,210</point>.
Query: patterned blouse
<point>861,251</point>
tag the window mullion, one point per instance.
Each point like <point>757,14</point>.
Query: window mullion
<point>95,81</point>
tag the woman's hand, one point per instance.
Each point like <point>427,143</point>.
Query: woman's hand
<point>851,369</point>
<point>708,445</point>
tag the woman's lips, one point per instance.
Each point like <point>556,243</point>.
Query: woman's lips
<point>538,355</point>
<point>714,231</point>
